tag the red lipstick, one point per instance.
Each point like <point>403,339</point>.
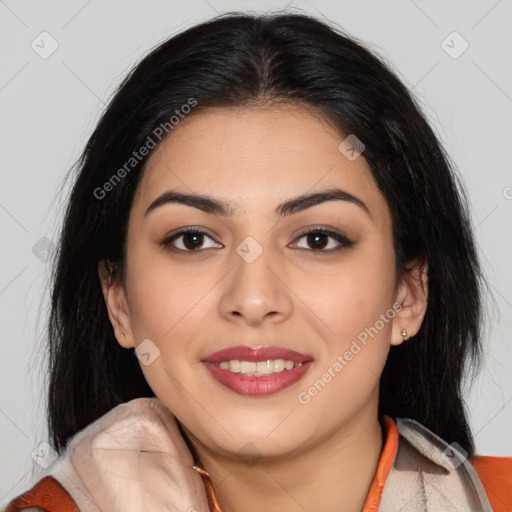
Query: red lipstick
<point>253,385</point>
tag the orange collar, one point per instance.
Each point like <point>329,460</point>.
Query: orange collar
<point>386,460</point>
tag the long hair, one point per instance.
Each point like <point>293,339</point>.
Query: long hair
<point>242,60</point>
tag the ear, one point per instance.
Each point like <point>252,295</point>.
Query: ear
<point>412,294</point>
<point>117,305</point>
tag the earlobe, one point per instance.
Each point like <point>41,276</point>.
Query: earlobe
<point>116,304</point>
<point>412,295</point>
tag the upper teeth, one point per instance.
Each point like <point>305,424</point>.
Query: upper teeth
<point>258,368</point>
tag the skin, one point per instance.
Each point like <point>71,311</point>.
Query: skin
<point>317,456</point>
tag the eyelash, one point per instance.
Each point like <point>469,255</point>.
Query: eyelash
<point>342,239</point>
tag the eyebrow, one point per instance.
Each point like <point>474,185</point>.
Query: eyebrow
<point>216,206</point>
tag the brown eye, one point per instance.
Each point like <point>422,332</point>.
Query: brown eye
<point>193,240</point>
<point>317,240</point>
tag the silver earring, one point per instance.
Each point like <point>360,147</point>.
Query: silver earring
<point>405,335</point>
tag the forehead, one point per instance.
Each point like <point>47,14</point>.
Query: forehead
<point>256,158</point>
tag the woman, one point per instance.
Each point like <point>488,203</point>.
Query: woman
<point>267,290</point>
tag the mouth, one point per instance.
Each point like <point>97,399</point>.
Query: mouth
<point>257,371</point>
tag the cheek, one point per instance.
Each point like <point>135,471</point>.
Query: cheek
<point>344,299</point>
<point>347,374</point>
<point>166,307</point>
<point>352,310</point>
<point>160,296</point>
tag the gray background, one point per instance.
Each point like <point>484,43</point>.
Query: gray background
<point>50,105</point>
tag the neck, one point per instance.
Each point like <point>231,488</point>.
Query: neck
<point>334,475</point>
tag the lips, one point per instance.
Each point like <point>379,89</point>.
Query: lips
<point>244,353</point>
<point>257,385</point>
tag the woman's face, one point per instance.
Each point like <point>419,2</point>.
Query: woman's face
<point>257,280</point>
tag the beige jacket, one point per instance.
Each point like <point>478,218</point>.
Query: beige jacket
<point>135,459</point>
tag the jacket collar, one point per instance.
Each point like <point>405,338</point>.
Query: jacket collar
<point>427,475</point>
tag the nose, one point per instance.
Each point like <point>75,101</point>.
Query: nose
<point>255,293</point>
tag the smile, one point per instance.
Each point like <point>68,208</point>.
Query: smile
<point>257,371</point>
<point>258,368</point>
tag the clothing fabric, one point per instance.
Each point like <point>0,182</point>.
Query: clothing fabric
<point>135,459</point>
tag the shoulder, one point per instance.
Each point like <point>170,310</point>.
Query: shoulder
<point>47,493</point>
<point>484,478</point>
<point>495,473</point>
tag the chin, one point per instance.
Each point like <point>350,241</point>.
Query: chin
<point>257,439</point>
<point>252,449</point>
